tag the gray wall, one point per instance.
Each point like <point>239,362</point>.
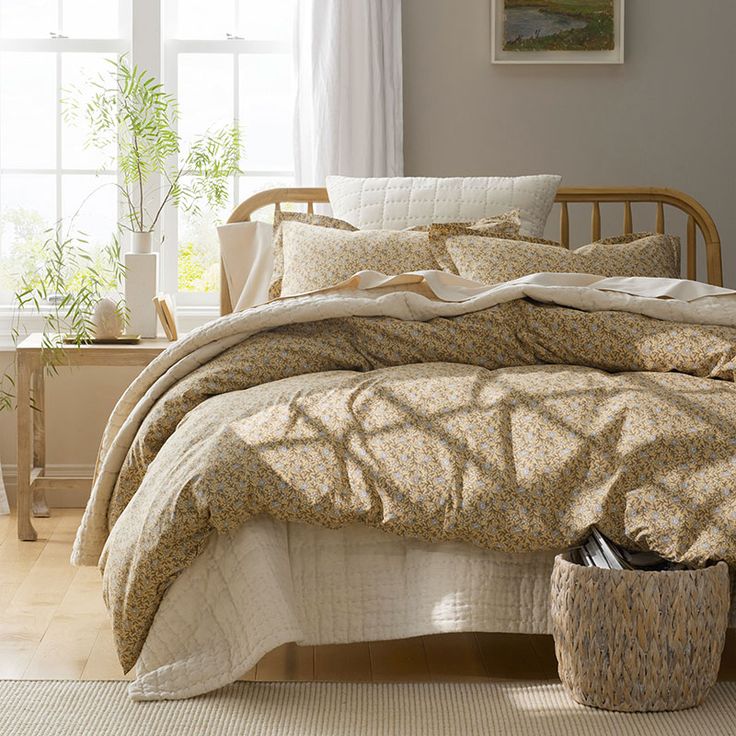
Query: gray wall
<point>667,117</point>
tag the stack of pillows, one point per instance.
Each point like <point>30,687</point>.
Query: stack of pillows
<point>486,230</point>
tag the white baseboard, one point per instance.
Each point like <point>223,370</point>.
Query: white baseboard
<point>61,498</point>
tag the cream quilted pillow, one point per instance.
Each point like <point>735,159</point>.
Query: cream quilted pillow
<point>492,261</point>
<point>399,202</point>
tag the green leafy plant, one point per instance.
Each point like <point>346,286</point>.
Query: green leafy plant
<point>64,292</point>
<point>128,109</point>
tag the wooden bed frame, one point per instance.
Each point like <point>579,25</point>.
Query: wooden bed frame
<point>698,219</point>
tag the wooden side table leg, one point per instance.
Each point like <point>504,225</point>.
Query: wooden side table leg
<point>24,370</point>
<point>40,507</point>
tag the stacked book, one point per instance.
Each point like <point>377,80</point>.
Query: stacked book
<point>599,551</point>
<point>165,310</point>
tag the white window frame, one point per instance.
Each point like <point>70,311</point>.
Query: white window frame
<point>233,46</point>
<point>59,44</point>
<point>142,36</point>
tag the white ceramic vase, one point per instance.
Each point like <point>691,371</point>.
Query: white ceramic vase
<point>141,285</point>
<point>140,242</point>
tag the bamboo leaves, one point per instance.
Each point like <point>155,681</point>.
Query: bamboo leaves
<point>64,292</point>
<point>128,108</point>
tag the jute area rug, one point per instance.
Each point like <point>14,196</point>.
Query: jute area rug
<point>69,708</point>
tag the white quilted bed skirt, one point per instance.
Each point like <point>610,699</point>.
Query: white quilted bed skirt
<point>273,582</point>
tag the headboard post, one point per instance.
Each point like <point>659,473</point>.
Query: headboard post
<point>698,219</point>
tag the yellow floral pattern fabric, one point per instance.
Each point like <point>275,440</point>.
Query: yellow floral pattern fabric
<point>310,258</point>
<point>308,218</point>
<point>491,261</point>
<point>506,226</point>
<point>630,238</point>
<point>513,428</point>
<point>315,258</point>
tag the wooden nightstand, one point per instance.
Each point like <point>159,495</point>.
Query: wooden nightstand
<point>30,382</point>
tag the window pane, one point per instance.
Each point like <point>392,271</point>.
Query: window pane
<point>250,185</point>
<point>91,18</point>
<point>199,250</point>
<point>201,18</point>
<point>27,211</point>
<point>266,111</point>
<point>89,208</point>
<point>27,110</point>
<point>205,93</point>
<point>28,18</point>
<point>76,71</point>
<point>262,21</point>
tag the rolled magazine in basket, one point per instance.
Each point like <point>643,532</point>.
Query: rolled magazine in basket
<point>599,551</point>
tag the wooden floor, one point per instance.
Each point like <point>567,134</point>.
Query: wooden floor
<point>53,625</point>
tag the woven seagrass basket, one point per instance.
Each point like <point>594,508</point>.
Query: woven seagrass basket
<point>630,640</point>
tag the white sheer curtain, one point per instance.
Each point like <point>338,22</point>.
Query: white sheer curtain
<point>349,118</point>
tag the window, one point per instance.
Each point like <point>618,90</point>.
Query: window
<point>46,173</point>
<point>225,60</point>
<point>228,60</point>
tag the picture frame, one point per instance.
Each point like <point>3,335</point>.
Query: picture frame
<point>570,30</point>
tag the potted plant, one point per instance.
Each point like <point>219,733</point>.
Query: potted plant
<point>127,109</point>
<point>69,286</point>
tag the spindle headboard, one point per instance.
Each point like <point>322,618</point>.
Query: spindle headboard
<point>698,219</point>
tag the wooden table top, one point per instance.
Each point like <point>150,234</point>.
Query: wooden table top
<point>137,354</point>
<point>34,341</point>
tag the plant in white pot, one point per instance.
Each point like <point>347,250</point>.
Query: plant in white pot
<point>128,110</point>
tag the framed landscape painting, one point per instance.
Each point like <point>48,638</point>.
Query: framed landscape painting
<point>558,31</point>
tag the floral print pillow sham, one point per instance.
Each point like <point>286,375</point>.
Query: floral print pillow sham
<point>491,261</point>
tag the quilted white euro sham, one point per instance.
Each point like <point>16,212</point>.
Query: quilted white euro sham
<point>395,203</point>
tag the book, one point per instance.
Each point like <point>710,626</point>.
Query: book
<point>599,551</point>
<point>596,553</point>
<point>166,315</point>
<point>643,559</point>
<point>609,550</point>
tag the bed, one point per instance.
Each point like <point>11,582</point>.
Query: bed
<point>214,603</point>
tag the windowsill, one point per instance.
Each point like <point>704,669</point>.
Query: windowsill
<point>187,319</point>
